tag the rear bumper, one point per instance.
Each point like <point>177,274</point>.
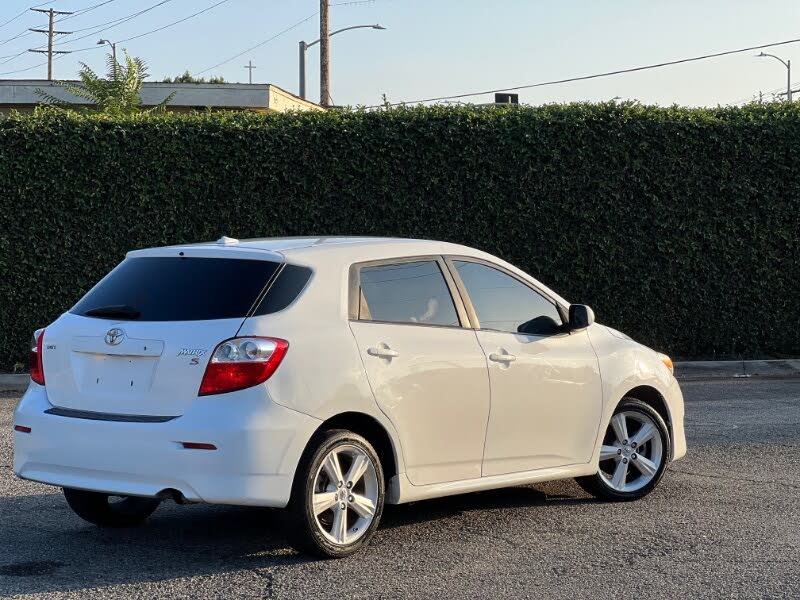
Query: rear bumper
<point>258,443</point>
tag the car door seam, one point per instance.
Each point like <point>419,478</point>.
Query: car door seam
<point>489,412</point>
<point>395,439</point>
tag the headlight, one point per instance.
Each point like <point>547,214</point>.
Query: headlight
<point>667,362</point>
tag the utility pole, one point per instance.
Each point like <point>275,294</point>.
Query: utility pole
<point>324,54</point>
<point>250,66</point>
<point>51,33</point>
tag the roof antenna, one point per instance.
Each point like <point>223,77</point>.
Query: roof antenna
<point>227,241</point>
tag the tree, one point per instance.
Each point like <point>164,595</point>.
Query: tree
<point>187,77</point>
<point>116,94</point>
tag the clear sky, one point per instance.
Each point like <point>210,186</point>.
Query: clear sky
<point>440,47</point>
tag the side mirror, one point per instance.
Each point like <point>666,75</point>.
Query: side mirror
<point>580,316</point>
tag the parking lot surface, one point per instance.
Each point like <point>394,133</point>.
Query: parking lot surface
<point>724,522</point>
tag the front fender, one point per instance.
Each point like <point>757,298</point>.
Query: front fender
<point>626,365</point>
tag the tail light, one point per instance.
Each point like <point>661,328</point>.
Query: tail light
<point>35,357</point>
<point>240,363</point>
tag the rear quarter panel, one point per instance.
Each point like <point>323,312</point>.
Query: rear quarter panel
<point>322,374</point>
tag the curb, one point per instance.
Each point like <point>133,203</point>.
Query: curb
<point>729,369</point>
<point>14,382</point>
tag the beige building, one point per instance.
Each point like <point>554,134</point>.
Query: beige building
<point>21,94</point>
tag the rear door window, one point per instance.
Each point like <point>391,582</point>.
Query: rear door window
<point>409,292</point>
<point>180,289</point>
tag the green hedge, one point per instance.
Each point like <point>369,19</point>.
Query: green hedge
<point>679,226</point>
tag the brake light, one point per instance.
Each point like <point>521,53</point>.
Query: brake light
<point>240,363</point>
<point>35,357</point>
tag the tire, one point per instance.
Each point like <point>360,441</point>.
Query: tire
<point>101,510</point>
<point>340,525</point>
<point>630,470</point>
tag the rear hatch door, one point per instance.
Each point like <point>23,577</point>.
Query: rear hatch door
<point>139,341</point>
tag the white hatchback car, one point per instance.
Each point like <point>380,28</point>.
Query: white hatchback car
<point>332,375</point>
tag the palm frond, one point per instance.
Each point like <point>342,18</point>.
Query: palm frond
<point>162,106</point>
<point>52,100</point>
<point>117,93</point>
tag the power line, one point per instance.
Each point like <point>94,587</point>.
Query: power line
<point>36,66</point>
<point>24,33</point>
<point>95,47</point>
<point>134,37</point>
<point>118,21</point>
<point>596,75</point>
<point>82,11</point>
<point>12,19</point>
<point>10,57</point>
<point>139,35</point>
<point>199,12</point>
<point>112,23</point>
<point>277,35</point>
<point>752,97</point>
<point>280,33</point>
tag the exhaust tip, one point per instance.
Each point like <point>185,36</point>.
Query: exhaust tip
<point>172,494</point>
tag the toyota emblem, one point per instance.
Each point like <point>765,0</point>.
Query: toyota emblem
<point>115,336</point>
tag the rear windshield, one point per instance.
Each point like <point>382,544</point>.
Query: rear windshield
<point>178,289</point>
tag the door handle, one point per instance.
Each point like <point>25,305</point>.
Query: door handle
<point>505,357</point>
<point>383,351</point>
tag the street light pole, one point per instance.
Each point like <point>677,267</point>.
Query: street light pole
<point>113,48</point>
<point>788,65</point>
<point>303,46</point>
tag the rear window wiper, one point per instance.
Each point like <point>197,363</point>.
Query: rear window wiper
<point>121,311</point>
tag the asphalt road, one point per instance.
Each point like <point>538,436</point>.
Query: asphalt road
<point>725,522</point>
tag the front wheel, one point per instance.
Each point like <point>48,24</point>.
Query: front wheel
<point>337,497</point>
<point>635,452</point>
<point>110,511</point>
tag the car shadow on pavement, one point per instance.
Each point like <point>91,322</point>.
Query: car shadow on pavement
<point>44,547</point>
<point>512,497</point>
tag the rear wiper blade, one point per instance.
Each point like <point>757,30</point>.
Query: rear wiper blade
<point>120,311</point>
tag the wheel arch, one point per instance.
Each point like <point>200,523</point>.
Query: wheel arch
<point>655,400</point>
<point>372,430</point>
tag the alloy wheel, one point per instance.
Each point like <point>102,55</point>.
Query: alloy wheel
<point>632,451</point>
<point>345,494</point>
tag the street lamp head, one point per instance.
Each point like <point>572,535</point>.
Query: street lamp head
<point>101,42</point>
<point>376,26</point>
<point>760,55</point>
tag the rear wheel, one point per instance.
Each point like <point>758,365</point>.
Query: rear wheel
<point>635,451</point>
<point>338,494</point>
<point>106,510</point>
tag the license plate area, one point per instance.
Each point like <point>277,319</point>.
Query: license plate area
<point>110,375</point>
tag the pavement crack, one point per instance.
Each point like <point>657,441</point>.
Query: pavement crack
<point>731,478</point>
<point>269,578</point>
